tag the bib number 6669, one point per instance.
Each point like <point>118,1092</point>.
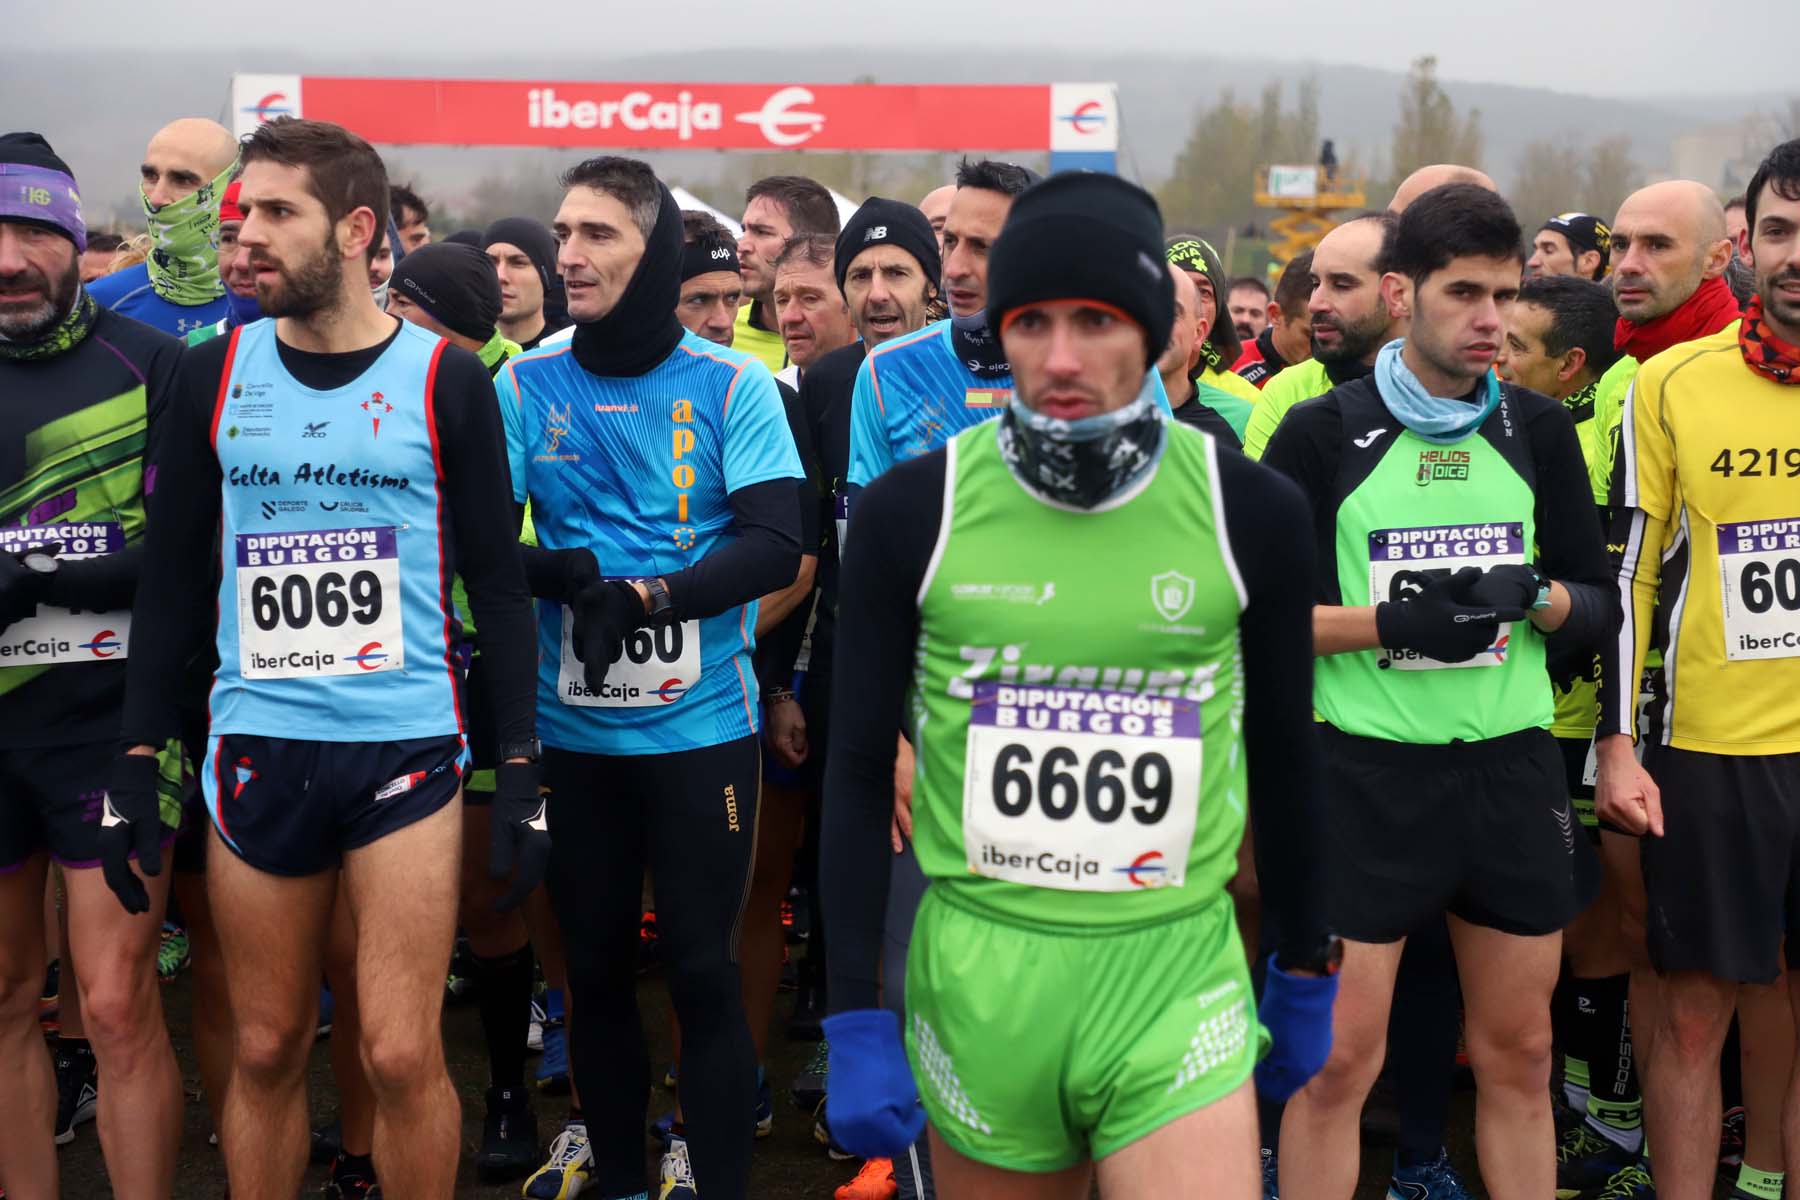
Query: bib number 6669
<point>1062,785</point>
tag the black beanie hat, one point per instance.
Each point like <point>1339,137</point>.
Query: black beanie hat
<point>1084,236</point>
<point>33,195</point>
<point>455,283</point>
<point>891,222</point>
<point>531,238</point>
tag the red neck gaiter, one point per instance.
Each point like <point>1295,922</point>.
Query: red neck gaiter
<point>1765,353</point>
<point>1711,308</point>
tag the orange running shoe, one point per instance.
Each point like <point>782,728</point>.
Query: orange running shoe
<point>874,1182</point>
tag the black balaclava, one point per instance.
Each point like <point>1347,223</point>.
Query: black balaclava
<point>641,330</point>
<point>453,282</point>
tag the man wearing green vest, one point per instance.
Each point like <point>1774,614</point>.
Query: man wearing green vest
<point>1442,504</point>
<point>1559,342</point>
<point>1350,322</point>
<point>1093,626</point>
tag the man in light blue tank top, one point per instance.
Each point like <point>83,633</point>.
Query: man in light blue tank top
<point>350,465</point>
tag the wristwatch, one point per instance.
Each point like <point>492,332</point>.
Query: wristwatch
<point>1324,959</point>
<point>40,560</point>
<point>529,749</point>
<point>662,605</point>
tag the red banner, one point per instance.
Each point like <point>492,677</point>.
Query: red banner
<point>662,116</point>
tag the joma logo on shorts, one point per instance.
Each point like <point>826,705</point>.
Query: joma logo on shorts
<point>731,813</point>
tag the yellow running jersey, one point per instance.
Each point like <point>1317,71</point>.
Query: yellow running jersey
<point>1710,464</point>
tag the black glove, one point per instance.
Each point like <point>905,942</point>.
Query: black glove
<point>1440,622</point>
<point>21,590</point>
<point>520,842</point>
<point>605,614</point>
<point>131,820</point>
<point>1510,585</point>
<point>559,574</point>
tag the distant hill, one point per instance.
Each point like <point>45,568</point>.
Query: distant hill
<point>100,126</point>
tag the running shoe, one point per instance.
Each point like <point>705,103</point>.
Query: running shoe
<point>534,1032</point>
<point>351,1183</point>
<point>509,1145</point>
<point>566,1171</point>
<point>460,980</point>
<point>1435,1180</point>
<point>671,1076</point>
<point>1585,1161</point>
<point>1731,1139</point>
<point>553,1067</point>
<point>327,1010</point>
<point>174,954</point>
<point>822,1135</point>
<point>677,1173</point>
<point>1271,1172</point>
<point>874,1182</point>
<point>765,1106</point>
<point>77,1089</point>
<point>1630,1183</point>
<point>809,1084</point>
<point>663,1128</point>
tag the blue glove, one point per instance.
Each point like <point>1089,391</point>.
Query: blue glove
<point>872,1106</point>
<point>1296,1010</point>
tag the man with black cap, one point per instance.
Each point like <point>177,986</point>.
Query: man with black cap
<point>665,461</point>
<point>79,385</point>
<point>711,288</point>
<point>1083,540</point>
<point>1571,244</point>
<point>451,290</point>
<point>524,257</point>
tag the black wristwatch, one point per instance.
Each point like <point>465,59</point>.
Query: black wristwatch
<point>530,749</point>
<point>1324,959</point>
<point>662,605</point>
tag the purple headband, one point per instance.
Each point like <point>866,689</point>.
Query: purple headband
<point>43,197</point>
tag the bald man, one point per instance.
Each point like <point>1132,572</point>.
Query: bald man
<point>1670,251</point>
<point>1435,175</point>
<point>936,207</point>
<point>177,289</point>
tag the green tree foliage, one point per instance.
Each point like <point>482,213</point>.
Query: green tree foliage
<point>1429,130</point>
<point>1213,181</point>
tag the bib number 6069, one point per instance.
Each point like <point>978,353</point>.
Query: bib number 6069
<point>295,600</point>
<point>1061,785</point>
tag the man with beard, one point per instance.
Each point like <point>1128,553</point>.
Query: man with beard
<point>663,459</point>
<point>341,463</point>
<point>177,288</point>
<point>1351,322</point>
<point>81,389</point>
<point>1248,305</point>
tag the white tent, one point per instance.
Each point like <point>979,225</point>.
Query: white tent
<point>845,206</point>
<point>688,200</point>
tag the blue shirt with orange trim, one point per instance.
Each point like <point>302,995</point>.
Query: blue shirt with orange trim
<point>640,471</point>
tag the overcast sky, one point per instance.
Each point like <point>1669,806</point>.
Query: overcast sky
<point>1647,48</point>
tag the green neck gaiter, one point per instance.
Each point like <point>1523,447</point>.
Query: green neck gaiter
<point>184,244</point>
<point>64,337</point>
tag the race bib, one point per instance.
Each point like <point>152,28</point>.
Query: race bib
<point>1403,561</point>
<point>63,635</point>
<point>319,602</point>
<point>1759,582</point>
<point>654,667</point>
<point>1080,789</point>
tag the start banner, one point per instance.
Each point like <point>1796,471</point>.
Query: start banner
<point>1060,117</point>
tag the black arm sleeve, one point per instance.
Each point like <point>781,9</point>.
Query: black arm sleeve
<point>1270,528</point>
<point>1307,449</point>
<point>171,615</point>
<point>549,573</point>
<point>478,489</point>
<point>764,556</point>
<point>1571,548</point>
<point>878,628</point>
